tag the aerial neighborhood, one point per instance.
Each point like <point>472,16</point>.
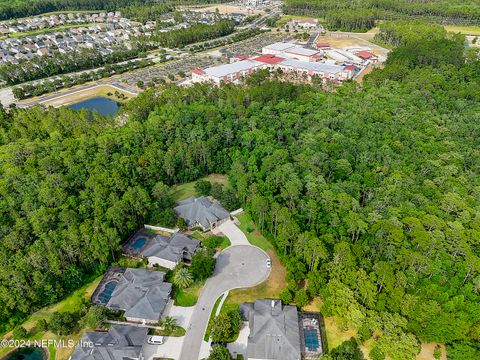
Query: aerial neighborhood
<point>141,300</point>
<point>239,180</point>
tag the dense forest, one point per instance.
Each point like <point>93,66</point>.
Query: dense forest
<point>360,15</point>
<point>370,194</point>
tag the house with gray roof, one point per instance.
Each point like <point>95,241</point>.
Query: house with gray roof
<point>120,342</point>
<point>162,250</point>
<point>142,294</point>
<point>201,212</point>
<point>169,251</point>
<point>274,330</point>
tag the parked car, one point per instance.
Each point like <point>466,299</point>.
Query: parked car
<point>155,340</point>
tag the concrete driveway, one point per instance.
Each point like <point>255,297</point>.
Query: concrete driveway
<point>237,267</point>
<point>182,314</point>
<point>234,234</point>
<point>240,345</point>
<point>170,349</point>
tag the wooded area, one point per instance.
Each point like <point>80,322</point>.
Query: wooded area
<point>354,15</point>
<point>369,194</point>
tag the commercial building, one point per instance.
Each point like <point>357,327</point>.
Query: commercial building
<point>325,71</point>
<point>292,51</point>
<point>227,73</point>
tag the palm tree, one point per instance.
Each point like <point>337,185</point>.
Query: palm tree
<point>183,278</point>
<point>169,323</point>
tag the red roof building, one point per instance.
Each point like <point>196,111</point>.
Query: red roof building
<point>322,45</point>
<point>269,59</point>
<point>350,68</point>
<point>366,55</point>
<point>198,71</point>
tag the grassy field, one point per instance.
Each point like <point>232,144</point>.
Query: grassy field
<point>73,303</point>
<point>185,190</point>
<point>467,30</point>
<point>252,233</point>
<point>44,31</point>
<point>80,95</point>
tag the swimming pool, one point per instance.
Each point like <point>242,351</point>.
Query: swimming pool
<point>107,292</point>
<point>138,244</point>
<point>311,338</point>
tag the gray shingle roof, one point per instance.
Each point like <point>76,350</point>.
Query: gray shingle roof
<point>141,293</point>
<point>119,343</point>
<point>200,211</point>
<point>274,330</point>
<point>172,248</point>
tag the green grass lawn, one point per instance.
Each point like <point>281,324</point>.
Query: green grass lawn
<point>467,30</point>
<point>252,233</point>
<point>188,297</point>
<point>73,303</point>
<point>185,190</point>
<point>212,317</point>
<point>201,236</point>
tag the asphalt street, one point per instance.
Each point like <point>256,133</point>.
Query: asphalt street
<point>237,267</point>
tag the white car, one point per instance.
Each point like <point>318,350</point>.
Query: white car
<point>269,263</point>
<point>155,340</point>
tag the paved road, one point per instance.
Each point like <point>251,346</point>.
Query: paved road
<point>237,267</point>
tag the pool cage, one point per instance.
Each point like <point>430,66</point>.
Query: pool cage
<point>311,335</point>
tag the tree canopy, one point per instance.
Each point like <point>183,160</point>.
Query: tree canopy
<point>370,194</point>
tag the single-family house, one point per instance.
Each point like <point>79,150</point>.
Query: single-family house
<point>142,294</point>
<point>119,342</point>
<point>162,250</point>
<point>274,330</point>
<point>202,212</point>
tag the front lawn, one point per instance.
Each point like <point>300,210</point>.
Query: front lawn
<point>73,304</point>
<point>253,234</point>
<point>189,296</point>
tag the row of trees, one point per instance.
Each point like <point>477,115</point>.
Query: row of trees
<point>349,15</point>
<point>239,36</point>
<point>57,64</point>
<point>66,81</point>
<point>195,33</point>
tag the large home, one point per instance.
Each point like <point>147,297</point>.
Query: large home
<point>274,330</point>
<point>202,212</point>
<point>119,342</point>
<point>162,250</point>
<point>142,294</point>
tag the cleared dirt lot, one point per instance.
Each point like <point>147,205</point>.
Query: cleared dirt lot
<point>343,40</point>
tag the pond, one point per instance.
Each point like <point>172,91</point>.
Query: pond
<point>102,105</point>
<point>29,353</point>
